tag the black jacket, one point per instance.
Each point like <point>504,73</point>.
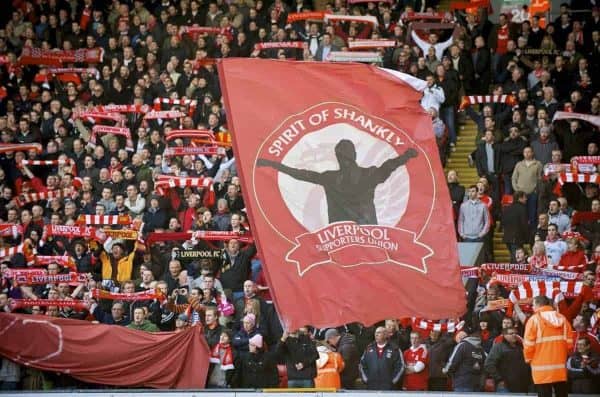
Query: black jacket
<point>299,350</point>
<point>511,153</point>
<point>439,352</point>
<point>256,370</point>
<point>584,378</point>
<point>481,159</point>
<point>234,273</point>
<point>381,373</point>
<point>457,194</point>
<point>505,363</point>
<point>483,68</point>
<point>514,221</point>
<point>347,348</point>
<point>212,335</point>
<point>465,365</point>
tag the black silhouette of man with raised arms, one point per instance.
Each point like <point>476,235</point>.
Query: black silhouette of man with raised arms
<point>350,191</point>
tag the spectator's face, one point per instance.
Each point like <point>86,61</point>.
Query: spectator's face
<point>552,232</point>
<point>381,335</point>
<point>208,282</point>
<point>452,176</point>
<point>583,346</point>
<point>138,316</point>
<point>210,317</point>
<point>595,206</point>
<point>174,268</point>
<point>117,311</point>
<point>233,247</point>
<point>472,193</point>
<point>248,288</point>
<point>53,294</point>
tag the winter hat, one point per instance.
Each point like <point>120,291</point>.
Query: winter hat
<point>251,318</point>
<point>256,340</point>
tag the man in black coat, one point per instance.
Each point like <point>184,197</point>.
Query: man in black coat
<point>235,268</point>
<point>514,221</point>
<point>345,344</point>
<point>381,365</point>
<point>483,66</point>
<point>505,364</point>
<point>512,152</point>
<point>299,353</point>
<point>487,161</point>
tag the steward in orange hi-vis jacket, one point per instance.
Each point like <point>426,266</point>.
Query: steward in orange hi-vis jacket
<point>546,345</point>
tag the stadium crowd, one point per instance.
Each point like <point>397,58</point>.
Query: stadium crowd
<point>91,209</point>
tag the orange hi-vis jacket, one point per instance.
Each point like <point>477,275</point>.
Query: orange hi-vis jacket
<point>546,345</point>
<point>329,366</point>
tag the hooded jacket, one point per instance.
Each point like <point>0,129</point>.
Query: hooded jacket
<point>546,344</point>
<point>465,365</point>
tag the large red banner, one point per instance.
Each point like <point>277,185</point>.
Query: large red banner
<point>106,354</point>
<point>346,192</point>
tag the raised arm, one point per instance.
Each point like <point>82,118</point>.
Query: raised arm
<point>302,175</point>
<point>389,166</point>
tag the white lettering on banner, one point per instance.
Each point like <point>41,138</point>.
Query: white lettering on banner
<point>291,132</point>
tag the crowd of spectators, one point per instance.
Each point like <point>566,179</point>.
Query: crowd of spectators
<point>520,156</point>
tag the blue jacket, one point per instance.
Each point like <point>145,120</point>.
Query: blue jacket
<point>381,373</point>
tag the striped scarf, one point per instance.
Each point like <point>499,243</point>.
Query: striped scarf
<point>190,103</point>
<point>10,230</point>
<point>473,99</point>
<point>104,129</point>
<point>428,325</point>
<point>164,114</point>
<point>121,109</point>
<point>27,198</point>
<point>104,220</point>
<point>362,44</point>
<point>20,147</point>
<point>352,18</point>
<point>222,355</point>
<point>48,162</point>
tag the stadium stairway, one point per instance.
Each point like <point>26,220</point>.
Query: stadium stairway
<point>468,176</point>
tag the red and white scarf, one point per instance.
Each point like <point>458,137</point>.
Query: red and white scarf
<point>569,177</point>
<point>429,325</point>
<point>64,261</point>
<point>26,198</point>
<point>194,31</point>
<point>168,181</point>
<point>150,294</point>
<point>473,99</point>
<point>303,16</point>
<point>90,71</point>
<point>93,116</point>
<point>23,248</point>
<point>10,230</point>
<point>164,114</point>
<point>33,278</point>
<point>362,44</point>
<point>352,18</point>
<point>550,289</point>
<point>190,151</point>
<point>73,231</point>
<point>199,235</point>
<point>47,162</point>
<point>354,56</point>
<point>20,147</point>
<point>435,16</point>
<point>506,268</point>
<point>75,304</point>
<point>191,134</point>
<point>190,103</point>
<point>590,118</point>
<point>104,220</point>
<point>121,109</point>
<point>278,44</point>
<point>39,56</point>
<point>105,129</point>
<point>222,355</point>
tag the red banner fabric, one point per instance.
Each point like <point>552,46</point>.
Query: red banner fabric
<point>350,224</point>
<point>106,354</point>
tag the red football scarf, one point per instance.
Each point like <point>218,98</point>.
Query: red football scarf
<point>123,234</point>
<point>226,361</point>
<point>473,99</point>
<point>183,182</point>
<point>164,114</point>
<point>522,268</point>
<point>190,151</point>
<point>590,118</point>
<point>32,278</point>
<point>64,261</point>
<point>463,5</point>
<point>92,116</point>
<point>354,56</point>
<point>351,18</point>
<point>362,44</point>
<point>302,16</point>
<point>192,134</point>
<point>104,220</point>
<point>190,103</point>
<point>39,56</point>
<point>90,71</point>
<point>23,248</point>
<point>48,162</point>
<point>10,230</point>
<point>428,325</point>
<point>26,198</point>
<point>104,129</point>
<point>121,109</point>
<point>72,231</point>
<point>278,44</point>
<point>199,235</point>
<point>20,147</point>
<point>368,1</point>
<point>75,304</point>
<point>124,296</point>
<point>412,16</point>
